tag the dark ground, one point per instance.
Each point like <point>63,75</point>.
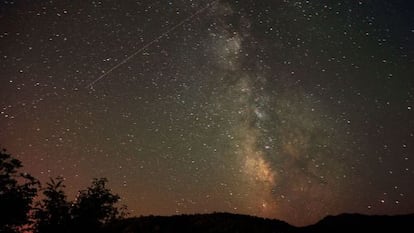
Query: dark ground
<point>223,222</point>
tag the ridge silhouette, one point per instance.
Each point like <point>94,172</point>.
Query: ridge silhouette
<point>94,210</point>
<point>236,223</point>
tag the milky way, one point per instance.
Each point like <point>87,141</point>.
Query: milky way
<point>282,109</point>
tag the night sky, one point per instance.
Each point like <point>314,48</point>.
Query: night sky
<point>283,109</point>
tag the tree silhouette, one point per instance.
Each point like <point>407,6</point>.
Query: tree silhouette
<point>17,191</point>
<point>52,214</point>
<point>94,207</point>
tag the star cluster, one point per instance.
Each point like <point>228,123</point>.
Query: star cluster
<point>283,109</point>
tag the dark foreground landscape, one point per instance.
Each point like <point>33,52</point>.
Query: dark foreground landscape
<point>96,210</point>
<point>224,222</point>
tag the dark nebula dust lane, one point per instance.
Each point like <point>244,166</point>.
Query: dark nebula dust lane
<point>282,109</point>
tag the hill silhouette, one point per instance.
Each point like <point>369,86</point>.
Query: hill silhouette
<point>235,223</point>
<point>357,222</point>
<point>203,223</point>
<point>95,210</point>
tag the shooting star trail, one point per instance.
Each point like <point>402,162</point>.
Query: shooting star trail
<point>90,85</point>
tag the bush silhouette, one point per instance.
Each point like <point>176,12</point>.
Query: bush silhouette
<point>17,191</point>
<point>53,212</point>
<point>94,207</point>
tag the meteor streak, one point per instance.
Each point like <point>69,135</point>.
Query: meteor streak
<point>90,85</point>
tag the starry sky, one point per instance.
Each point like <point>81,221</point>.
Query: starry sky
<point>282,109</point>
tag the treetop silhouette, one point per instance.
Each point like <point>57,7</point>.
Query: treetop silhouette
<point>17,190</point>
<point>92,209</point>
